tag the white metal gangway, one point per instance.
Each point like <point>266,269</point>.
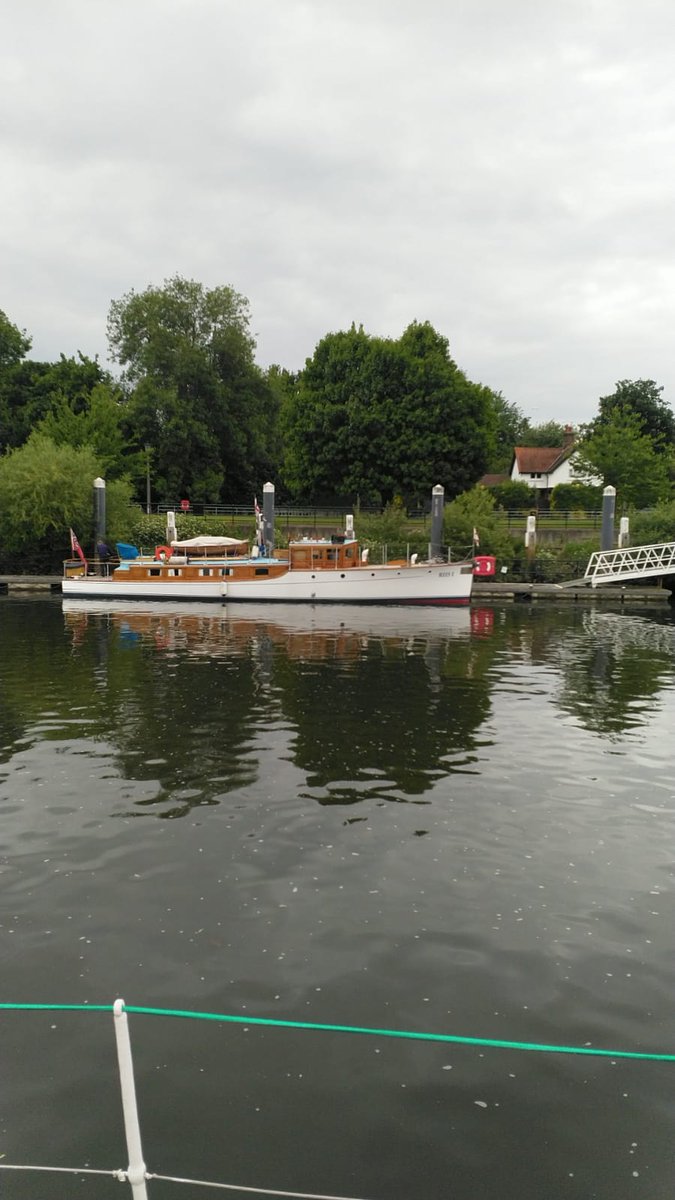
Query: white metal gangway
<point>632,562</point>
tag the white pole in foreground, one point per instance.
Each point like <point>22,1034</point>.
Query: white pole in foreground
<point>136,1168</point>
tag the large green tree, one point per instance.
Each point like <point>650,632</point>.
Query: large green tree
<point>549,434</point>
<point>510,429</point>
<point>626,457</point>
<point>196,397</point>
<point>642,398</point>
<point>46,488</point>
<point>14,342</point>
<point>371,418</point>
<point>29,391</point>
<point>98,424</point>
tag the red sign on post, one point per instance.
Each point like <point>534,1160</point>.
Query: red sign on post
<point>185,506</point>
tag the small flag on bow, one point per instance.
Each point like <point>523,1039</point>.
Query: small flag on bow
<point>75,547</point>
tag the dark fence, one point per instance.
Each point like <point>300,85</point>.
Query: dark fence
<point>306,513</point>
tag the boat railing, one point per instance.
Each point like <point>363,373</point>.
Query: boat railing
<point>136,1173</point>
<point>74,568</point>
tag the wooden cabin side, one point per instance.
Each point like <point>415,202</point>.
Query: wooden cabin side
<point>336,555</point>
<point>194,572</point>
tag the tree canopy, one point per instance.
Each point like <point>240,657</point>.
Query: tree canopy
<point>373,418</point>
<point>29,390</point>
<point>368,418</point>
<point>14,342</point>
<point>510,429</point>
<point>195,395</point>
<point>624,456</point>
<point>46,488</point>
<point>642,398</point>
<point>549,433</point>
<point>97,424</point>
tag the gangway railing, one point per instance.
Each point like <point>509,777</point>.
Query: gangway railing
<point>632,562</point>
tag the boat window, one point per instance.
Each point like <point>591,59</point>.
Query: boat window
<point>204,570</point>
<point>262,571</point>
<point>154,571</point>
<point>174,571</point>
<point>349,552</point>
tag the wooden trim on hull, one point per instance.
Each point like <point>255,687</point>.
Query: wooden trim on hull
<point>164,592</point>
<point>356,601</point>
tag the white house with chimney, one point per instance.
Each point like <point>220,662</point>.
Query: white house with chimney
<point>543,467</point>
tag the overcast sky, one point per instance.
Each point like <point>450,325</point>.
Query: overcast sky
<point>502,168</point>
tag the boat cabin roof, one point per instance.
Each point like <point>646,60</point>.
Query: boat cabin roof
<point>336,539</point>
<point>211,545</point>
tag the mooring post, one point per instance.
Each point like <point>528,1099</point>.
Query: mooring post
<point>268,518</point>
<point>624,532</point>
<point>171,531</point>
<point>437,506</point>
<point>132,1129</point>
<point>608,503</point>
<point>99,514</point>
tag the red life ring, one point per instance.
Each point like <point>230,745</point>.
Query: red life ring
<point>163,552</point>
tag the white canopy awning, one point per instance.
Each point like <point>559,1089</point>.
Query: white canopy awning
<point>208,543</point>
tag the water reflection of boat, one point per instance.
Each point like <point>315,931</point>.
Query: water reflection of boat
<point>198,629</point>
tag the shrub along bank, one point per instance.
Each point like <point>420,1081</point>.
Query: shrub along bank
<point>390,535</point>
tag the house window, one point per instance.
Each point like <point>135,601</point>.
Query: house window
<point>535,475</point>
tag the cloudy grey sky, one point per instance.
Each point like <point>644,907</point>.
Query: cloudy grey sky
<point>502,168</point>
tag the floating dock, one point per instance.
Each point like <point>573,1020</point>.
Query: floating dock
<point>577,592</point>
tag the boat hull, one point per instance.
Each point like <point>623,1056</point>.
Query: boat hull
<point>96,588</point>
<point>435,584</point>
<point>423,584</point>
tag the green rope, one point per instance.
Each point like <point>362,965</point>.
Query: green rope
<point>456,1039</point>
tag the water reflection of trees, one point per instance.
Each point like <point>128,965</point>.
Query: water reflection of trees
<point>187,704</point>
<point>612,666</point>
<point>364,707</point>
<point>386,725</point>
<point>628,661</point>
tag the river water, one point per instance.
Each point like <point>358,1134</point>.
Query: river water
<point>457,822</point>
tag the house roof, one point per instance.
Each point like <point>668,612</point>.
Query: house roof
<point>492,480</point>
<point>532,460</point>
